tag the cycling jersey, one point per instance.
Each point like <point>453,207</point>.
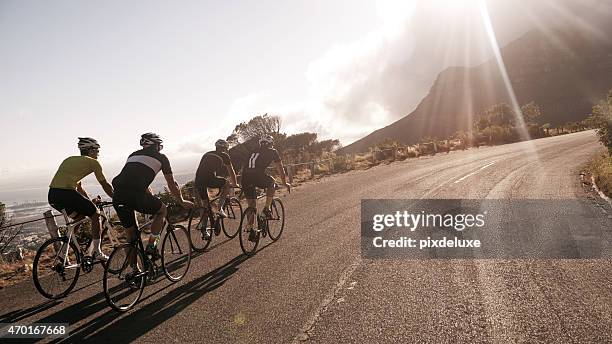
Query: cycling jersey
<point>255,170</point>
<point>213,163</point>
<point>141,168</point>
<point>260,159</point>
<point>73,169</point>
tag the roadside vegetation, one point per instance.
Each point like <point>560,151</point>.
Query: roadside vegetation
<point>601,166</point>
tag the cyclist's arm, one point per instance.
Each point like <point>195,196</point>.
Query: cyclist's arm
<point>232,174</point>
<point>97,169</point>
<point>281,171</point>
<point>175,191</point>
<point>81,190</point>
<point>107,188</point>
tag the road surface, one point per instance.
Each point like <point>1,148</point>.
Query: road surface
<point>313,285</point>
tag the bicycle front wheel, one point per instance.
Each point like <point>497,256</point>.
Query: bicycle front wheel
<point>200,233</point>
<point>56,268</point>
<point>124,277</point>
<point>249,238</point>
<point>276,223</point>
<point>231,224</point>
<point>176,253</point>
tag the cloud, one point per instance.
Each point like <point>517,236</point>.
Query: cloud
<point>360,86</point>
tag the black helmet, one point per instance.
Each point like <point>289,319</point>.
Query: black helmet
<point>150,139</point>
<point>221,144</point>
<point>87,143</point>
<point>266,140</point>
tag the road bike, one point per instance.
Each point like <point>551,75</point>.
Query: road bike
<point>271,226</point>
<point>129,268</point>
<point>204,224</point>
<point>59,261</point>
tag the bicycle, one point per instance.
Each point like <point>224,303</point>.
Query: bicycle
<point>129,268</point>
<point>266,226</point>
<point>61,259</point>
<point>201,233</point>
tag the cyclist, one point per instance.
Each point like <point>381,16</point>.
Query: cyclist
<point>132,191</point>
<point>67,193</point>
<point>254,175</point>
<point>213,165</point>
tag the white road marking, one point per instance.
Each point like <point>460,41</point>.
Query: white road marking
<point>473,173</point>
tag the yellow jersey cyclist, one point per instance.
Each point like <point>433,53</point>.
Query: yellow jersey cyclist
<point>132,191</point>
<point>254,175</point>
<point>213,166</point>
<point>67,193</point>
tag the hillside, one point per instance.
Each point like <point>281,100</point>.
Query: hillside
<point>565,72</point>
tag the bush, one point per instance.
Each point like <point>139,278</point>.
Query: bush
<point>601,168</point>
<point>343,163</point>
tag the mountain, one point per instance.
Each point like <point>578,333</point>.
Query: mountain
<point>565,71</point>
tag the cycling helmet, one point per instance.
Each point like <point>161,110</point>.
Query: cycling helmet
<point>87,143</point>
<point>150,139</point>
<point>266,140</point>
<point>222,144</point>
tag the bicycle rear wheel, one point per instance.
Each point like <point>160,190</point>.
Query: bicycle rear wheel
<point>276,223</point>
<point>249,247</point>
<point>124,277</point>
<point>198,228</point>
<point>54,276</point>
<point>176,252</point>
<point>232,223</point>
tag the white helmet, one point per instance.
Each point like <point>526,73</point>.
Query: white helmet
<point>266,139</point>
<point>150,139</point>
<point>87,143</point>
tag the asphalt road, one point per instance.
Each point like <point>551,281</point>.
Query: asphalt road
<point>313,284</point>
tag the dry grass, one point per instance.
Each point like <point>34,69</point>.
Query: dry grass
<point>601,168</point>
<point>11,273</point>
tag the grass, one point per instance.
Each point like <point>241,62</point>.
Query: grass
<point>601,168</point>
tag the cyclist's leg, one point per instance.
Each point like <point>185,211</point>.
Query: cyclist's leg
<point>224,187</point>
<point>270,185</point>
<point>128,221</point>
<point>75,203</point>
<point>248,187</point>
<point>146,203</point>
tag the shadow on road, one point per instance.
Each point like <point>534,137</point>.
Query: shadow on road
<point>130,327</point>
<point>119,328</point>
<point>17,315</point>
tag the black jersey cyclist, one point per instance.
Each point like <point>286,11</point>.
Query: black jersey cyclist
<point>254,175</point>
<point>213,166</point>
<point>67,193</point>
<point>132,192</point>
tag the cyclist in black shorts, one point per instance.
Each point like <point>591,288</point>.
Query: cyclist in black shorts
<point>213,165</point>
<point>66,192</point>
<point>132,191</point>
<point>254,175</point>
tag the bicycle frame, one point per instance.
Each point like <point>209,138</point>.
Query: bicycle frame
<point>69,228</point>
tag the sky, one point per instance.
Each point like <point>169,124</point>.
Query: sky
<point>191,70</point>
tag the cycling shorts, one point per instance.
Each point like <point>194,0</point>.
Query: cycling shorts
<point>126,202</point>
<point>252,180</point>
<point>71,201</point>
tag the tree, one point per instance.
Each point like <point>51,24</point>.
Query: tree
<point>7,232</point>
<point>601,117</point>
<point>255,127</point>
<point>531,113</point>
<point>500,114</point>
<point>546,128</point>
<point>301,142</point>
<point>3,218</point>
<point>325,146</point>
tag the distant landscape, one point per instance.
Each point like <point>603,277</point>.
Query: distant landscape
<point>565,71</point>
